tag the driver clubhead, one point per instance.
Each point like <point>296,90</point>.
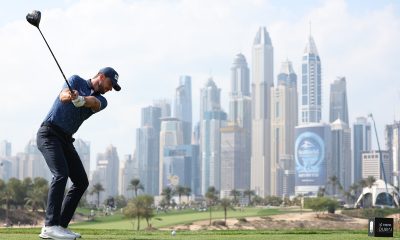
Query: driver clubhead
<point>34,18</point>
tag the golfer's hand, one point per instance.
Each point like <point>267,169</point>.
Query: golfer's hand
<point>73,95</point>
<point>79,101</point>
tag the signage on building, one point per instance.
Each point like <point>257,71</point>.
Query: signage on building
<point>311,158</point>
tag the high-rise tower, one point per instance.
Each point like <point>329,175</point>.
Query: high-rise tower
<point>361,143</point>
<point>338,101</point>
<point>311,90</point>
<point>212,118</point>
<point>240,114</point>
<point>283,122</point>
<point>147,145</point>
<point>183,107</point>
<point>262,81</point>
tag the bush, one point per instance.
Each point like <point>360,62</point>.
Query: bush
<point>369,212</point>
<point>321,204</point>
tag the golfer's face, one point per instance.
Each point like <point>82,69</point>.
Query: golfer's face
<point>105,85</point>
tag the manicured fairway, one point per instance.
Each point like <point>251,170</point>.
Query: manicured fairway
<point>22,234</point>
<point>173,218</point>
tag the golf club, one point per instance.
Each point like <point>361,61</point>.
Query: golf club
<point>34,19</point>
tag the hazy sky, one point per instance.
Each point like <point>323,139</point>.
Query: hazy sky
<point>152,43</point>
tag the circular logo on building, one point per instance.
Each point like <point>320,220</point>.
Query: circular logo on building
<point>309,151</point>
<point>173,180</point>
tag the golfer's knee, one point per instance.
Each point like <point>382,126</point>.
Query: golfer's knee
<point>60,179</point>
<point>85,183</point>
<point>82,184</point>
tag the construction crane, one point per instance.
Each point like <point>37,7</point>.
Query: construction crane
<point>381,161</point>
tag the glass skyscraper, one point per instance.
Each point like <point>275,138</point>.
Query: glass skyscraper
<point>147,149</point>
<point>311,89</point>
<point>212,119</point>
<point>240,114</point>
<point>183,107</point>
<point>361,142</point>
<point>284,115</point>
<point>262,81</point>
<point>338,101</point>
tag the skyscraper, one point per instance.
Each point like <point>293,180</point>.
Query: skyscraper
<point>212,118</point>
<point>165,106</point>
<point>284,116</point>
<point>312,154</point>
<point>183,107</point>
<point>147,145</point>
<point>240,113</point>
<point>311,89</point>
<point>392,137</point>
<point>234,170</point>
<point>107,171</point>
<point>262,81</point>
<point>171,134</point>
<point>182,167</point>
<point>338,101</point>
<point>372,166</point>
<point>361,142</point>
<point>31,163</point>
<point>151,117</point>
<point>340,164</point>
<point>128,172</point>
<point>83,150</point>
<point>147,155</point>
<point>5,149</point>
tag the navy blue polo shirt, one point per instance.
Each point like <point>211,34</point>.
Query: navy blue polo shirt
<point>68,117</point>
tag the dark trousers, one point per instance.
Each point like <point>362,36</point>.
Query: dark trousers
<point>63,160</point>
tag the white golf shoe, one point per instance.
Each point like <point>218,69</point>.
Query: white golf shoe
<point>56,233</point>
<point>77,235</point>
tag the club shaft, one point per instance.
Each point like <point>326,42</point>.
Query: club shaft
<point>69,86</point>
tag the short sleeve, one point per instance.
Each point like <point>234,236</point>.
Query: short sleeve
<point>103,101</point>
<point>73,81</point>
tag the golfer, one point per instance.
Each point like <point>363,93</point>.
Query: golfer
<point>55,141</point>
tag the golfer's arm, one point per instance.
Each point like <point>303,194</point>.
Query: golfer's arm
<point>93,103</point>
<point>65,96</point>
<point>90,101</point>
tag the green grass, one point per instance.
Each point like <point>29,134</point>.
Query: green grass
<point>117,221</point>
<point>22,234</point>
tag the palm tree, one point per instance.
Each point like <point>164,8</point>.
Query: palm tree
<point>321,191</point>
<point>135,185</point>
<point>353,189</point>
<point>249,193</point>
<point>167,193</point>
<point>35,199</point>
<point>96,189</point>
<point>187,193</point>
<point>334,181</point>
<point>348,195</point>
<point>180,190</point>
<point>226,204</point>
<point>235,193</point>
<point>211,196</point>
<point>370,181</point>
<point>5,195</point>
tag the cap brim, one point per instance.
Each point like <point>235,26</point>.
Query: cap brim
<point>116,87</point>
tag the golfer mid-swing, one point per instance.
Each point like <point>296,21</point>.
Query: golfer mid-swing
<point>55,141</point>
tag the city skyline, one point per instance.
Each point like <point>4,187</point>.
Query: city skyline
<point>351,41</point>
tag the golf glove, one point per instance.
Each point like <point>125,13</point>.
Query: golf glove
<point>79,101</point>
